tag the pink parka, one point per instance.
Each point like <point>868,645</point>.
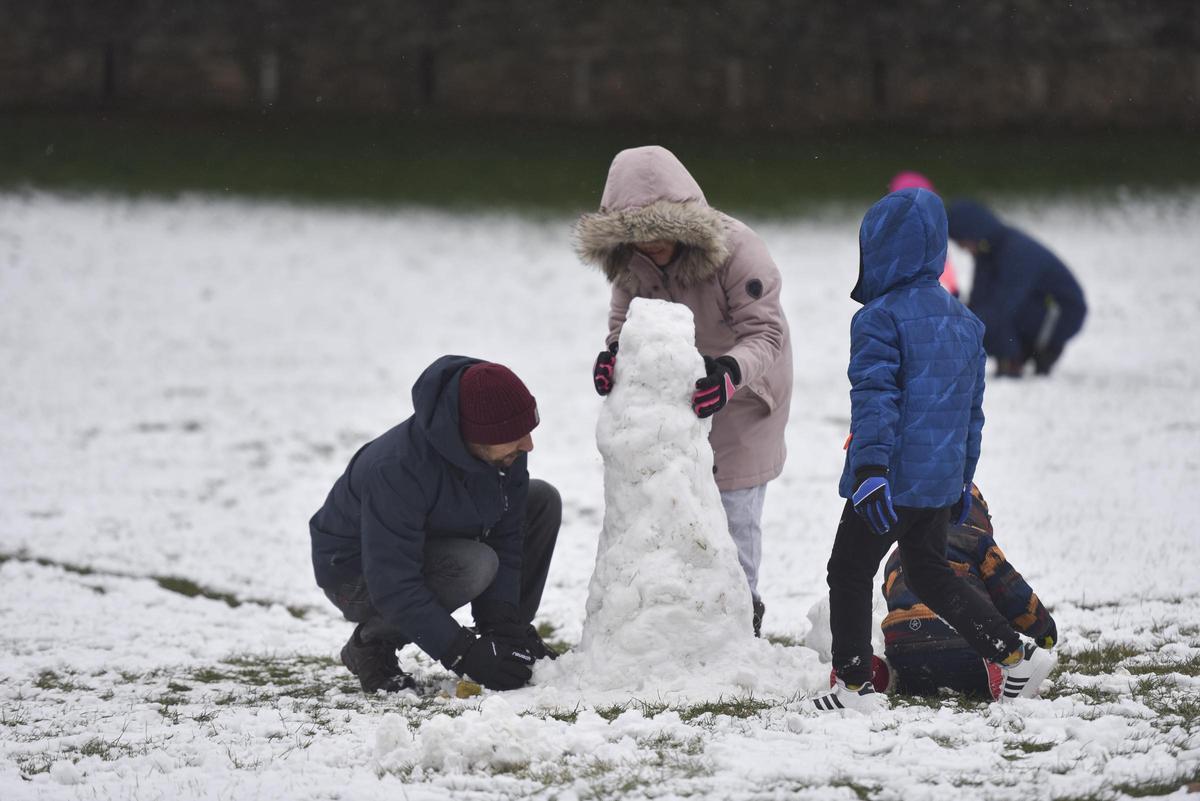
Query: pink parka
<point>724,274</point>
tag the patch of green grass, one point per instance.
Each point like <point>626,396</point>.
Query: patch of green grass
<point>546,166</point>
<point>861,791</point>
<point>1190,667</point>
<point>944,701</point>
<point>1159,787</point>
<point>1019,750</point>
<point>1097,660</point>
<point>739,707</point>
<point>1093,696</point>
<point>783,639</point>
<point>1177,706</point>
<point>191,589</point>
<point>177,584</point>
<point>209,676</point>
<point>107,750</point>
<point>13,716</point>
<point>49,680</point>
<point>33,764</point>
<point>647,708</point>
<point>547,632</point>
<point>564,715</point>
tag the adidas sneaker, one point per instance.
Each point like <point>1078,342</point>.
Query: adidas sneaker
<point>1024,679</point>
<point>865,700</point>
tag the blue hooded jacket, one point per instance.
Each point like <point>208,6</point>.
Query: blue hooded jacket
<point>1013,276</point>
<point>416,481</point>
<point>916,360</point>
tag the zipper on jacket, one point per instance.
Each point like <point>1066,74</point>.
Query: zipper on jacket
<point>504,502</point>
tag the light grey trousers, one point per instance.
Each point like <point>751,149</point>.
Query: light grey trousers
<point>744,508</point>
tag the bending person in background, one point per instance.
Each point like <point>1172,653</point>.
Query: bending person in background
<point>655,236</point>
<point>924,652</point>
<point>1028,299</point>
<point>915,180</point>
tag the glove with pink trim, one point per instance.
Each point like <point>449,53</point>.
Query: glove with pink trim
<point>715,389</point>
<point>602,370</point>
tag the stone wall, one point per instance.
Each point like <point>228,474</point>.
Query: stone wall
<point>751,64</point>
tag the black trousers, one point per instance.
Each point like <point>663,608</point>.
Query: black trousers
<point>458,570</point>
<point>857,552</point>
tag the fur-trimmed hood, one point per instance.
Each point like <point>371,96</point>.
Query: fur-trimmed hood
<point>650,195</point>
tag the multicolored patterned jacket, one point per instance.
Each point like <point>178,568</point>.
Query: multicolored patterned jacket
<point>912,626</point>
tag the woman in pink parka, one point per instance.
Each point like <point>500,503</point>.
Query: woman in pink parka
<point>655,236</point>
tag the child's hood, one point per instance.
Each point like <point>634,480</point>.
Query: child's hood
<point>902,240</point>
<point>970,220</point>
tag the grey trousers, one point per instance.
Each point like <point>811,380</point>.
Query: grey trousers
<point>744,508</point>
<point>458,570</point>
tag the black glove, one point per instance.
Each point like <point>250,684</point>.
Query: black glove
<point>715,389</point>
<point>522,635</point>
<point>493,663</point>
<point>502,622</point>
<point>602,370</point>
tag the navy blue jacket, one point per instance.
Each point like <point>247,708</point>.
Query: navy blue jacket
<point>916,359</point>
<point>417,481</point>
<point>1013,276</point>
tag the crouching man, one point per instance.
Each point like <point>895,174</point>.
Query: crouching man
<point>437,513</point>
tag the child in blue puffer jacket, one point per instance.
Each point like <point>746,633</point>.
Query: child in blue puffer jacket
<point>917,376</point>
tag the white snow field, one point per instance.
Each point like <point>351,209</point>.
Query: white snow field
<point>183,381</point>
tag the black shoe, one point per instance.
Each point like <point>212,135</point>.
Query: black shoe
<point>760,609</point>
<point>1043,360</point>
<point>375,664</point>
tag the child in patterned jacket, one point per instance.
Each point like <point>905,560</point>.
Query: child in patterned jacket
<point>925,655</point>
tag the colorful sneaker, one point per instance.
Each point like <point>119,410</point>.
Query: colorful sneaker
<point>1024,679</point>
<point>883,678</point>
<point>995,679</point>
<point>865,700</point>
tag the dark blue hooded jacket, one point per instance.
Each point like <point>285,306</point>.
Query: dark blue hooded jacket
<point>916,359</point>
<point>416,481</point>
<point>1013,276</point>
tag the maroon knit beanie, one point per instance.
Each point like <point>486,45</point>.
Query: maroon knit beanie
<point>494,407</point>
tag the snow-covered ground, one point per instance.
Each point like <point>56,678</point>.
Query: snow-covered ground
<point>183,381</point>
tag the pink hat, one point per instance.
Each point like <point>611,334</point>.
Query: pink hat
<point>910,180</point>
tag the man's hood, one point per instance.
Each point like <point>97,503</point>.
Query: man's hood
<point>435,409</point>
<point>650,195</point>
<point>902,240</point>
<point>970,221</point>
